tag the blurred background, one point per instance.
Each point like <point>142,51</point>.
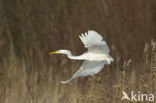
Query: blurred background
<point>30,29</point>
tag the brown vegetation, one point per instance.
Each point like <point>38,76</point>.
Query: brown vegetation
<point>30,29</point>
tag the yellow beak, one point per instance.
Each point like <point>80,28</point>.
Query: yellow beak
<point>55,52</point>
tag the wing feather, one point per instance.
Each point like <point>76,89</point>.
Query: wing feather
<point>87,68</point>
<point>94,40</point>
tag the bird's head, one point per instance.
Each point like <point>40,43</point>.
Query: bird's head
<point>60,52</point>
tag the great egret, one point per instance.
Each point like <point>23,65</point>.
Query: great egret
<point>94,59</point>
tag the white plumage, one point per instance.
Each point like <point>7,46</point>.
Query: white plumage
<point>94,40</point>
<point>87,68</point>
<point>94,59</point>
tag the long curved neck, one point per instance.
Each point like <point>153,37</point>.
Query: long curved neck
<point>70,56</point>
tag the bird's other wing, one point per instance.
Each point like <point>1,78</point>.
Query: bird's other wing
<point>92,40</point>
<point>87,68</point>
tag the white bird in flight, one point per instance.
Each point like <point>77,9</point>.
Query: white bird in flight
<point>94,59</point>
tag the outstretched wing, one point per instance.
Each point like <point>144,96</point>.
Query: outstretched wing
<point>94,42</point>
<point>87,68</point>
